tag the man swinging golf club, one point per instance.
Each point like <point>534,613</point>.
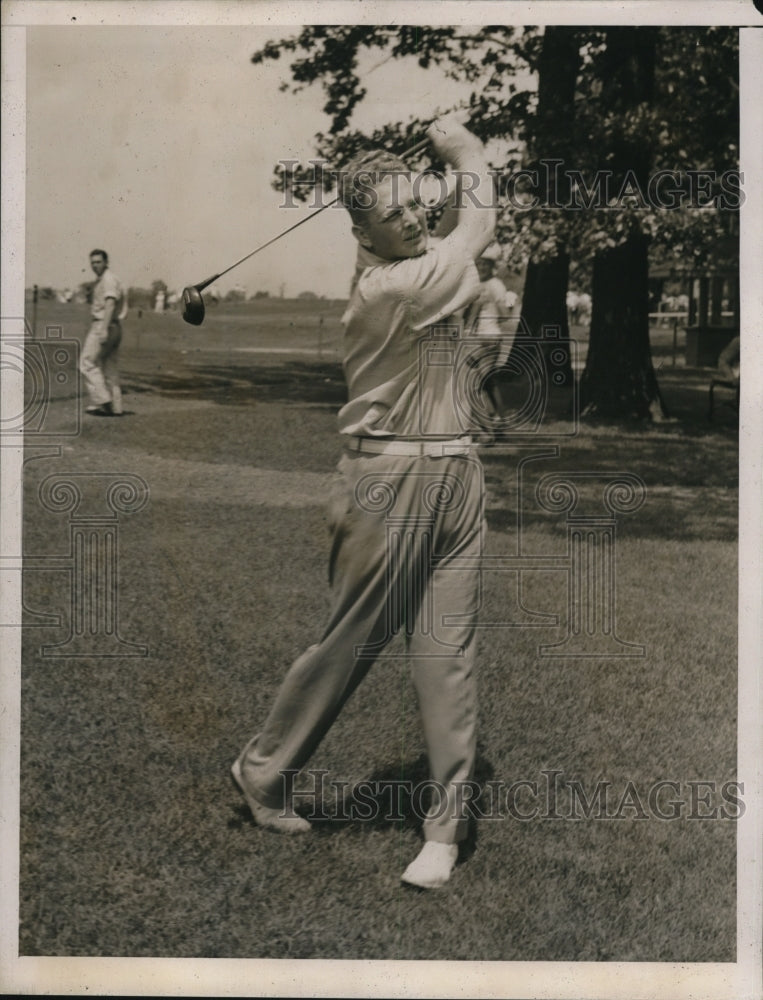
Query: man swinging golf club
<point>406,457</point>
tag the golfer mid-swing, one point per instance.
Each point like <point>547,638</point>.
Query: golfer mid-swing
<point>406,507</point>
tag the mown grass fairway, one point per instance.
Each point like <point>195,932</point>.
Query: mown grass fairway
<point>134,841</point>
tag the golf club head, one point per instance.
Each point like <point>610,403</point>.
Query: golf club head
<point>193,306</point>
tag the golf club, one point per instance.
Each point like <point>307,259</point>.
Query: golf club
<point>193,303</point>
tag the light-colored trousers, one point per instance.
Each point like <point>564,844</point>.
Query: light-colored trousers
<point>406,540</point>
<point>99,364</point>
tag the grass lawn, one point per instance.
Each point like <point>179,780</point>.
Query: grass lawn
<point>134,841</point>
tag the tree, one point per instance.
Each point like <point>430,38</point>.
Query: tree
<point>619,379</point>
<point>696,127</point>
<point>550,138</point>
<point>660,100</point>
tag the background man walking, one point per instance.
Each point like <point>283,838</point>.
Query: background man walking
<point>100,355</point>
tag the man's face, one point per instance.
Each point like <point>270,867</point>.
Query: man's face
<point>98,264</point>
<point>395,226</point>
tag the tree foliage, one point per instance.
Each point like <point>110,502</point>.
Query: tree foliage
<point>329,55</point>
<point>644,102</point>
<point>689,122</point>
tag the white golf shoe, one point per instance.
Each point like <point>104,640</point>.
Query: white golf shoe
<point>432,867</point>
<point>270,819</point>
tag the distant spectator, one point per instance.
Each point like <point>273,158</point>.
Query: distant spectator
<point>584,308</point>
<point>667,305</point>
<point>728,362</point>
<point>573,306</point>
<point>485,315</point>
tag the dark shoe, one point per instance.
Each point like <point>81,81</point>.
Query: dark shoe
<point>105,410</point>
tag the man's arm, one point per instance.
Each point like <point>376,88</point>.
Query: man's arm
<point>108,312</point>
<point>473,210</point>
<point>103,325</point>
<point>449,218</point>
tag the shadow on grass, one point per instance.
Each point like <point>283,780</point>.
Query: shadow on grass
<point>238,385</point>
<point>688,466</point>
<point>685,391</point>
<point>394,796</point>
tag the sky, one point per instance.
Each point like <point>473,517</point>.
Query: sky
<point>158,144</point>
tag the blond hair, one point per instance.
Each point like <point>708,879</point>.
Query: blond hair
<point>363,172</point>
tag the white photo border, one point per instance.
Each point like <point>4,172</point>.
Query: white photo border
<point>204,977</point>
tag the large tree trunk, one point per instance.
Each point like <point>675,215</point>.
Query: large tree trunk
<point>544,310</point>
<point>618,379</point>
<point>544,298</point>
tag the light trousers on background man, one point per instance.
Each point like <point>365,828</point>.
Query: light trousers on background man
<point>100,365</point>
<point>400,528</point>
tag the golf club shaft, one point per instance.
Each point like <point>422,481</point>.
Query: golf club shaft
<point>416,148</point>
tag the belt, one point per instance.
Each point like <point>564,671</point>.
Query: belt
<point>398,446</point>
